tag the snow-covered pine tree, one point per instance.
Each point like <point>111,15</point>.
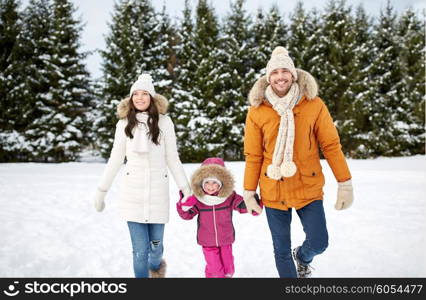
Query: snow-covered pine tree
<point>236,78</point>
<point>58,131</point>
<point>32,74</point>
<point>269,31</point>
<point>163,53</point>
<point>119,70</point>
<point>337,69</point>
<point>314,50</point>
<point>206,89</point>
<point>357,125</point>
<point>411,114</point>
<point>10,28</point>
<point>259,55</point>
<point>182,104</point>
<point>298,40</point>
<point>387,137</point>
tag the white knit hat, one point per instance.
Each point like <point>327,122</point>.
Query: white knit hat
<point>212,179</point>
<point>280,59</point>
<point>144,82</point>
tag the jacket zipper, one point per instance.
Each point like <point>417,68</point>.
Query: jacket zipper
<point>310,129</point>
<point>215,230</point>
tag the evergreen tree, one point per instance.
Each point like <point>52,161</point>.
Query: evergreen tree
<point>30,68</point>
<point>206,140</point>
<point>163,53</point>
<point>337,71</point>
<point>314,50</point>
<point>9,30</point>
<point>58,133</point>
<point>10,27</point>
<point>236,79</point>
<point>259,56</point>
<point>410,117</point>
<point>182,103</point>
<point>298,40</point>
<point>386,138</point>
<point>357,124</point>
<point>119,70</point>
<point>269,31</point>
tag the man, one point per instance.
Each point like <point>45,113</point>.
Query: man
<point>285,124</point>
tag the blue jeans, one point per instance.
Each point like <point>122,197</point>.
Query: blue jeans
<point>312,218</point>
<point>147,243</point>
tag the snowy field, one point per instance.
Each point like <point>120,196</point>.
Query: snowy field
<point>49,227</point>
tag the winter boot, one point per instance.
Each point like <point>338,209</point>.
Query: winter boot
<point>303,270</point>
<point>161,272</point>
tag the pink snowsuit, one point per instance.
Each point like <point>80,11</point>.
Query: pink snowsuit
<point>215,231</point>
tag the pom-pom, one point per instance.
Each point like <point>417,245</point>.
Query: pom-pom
<point>145,77</point>
<point>280,51</point>
<point>273,172</point>
<point>288,169</point>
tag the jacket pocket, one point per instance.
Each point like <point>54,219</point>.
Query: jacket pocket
<point>131,190</point>
<point>269,188</point>
<point>160,185</point>
<point>312,179</point>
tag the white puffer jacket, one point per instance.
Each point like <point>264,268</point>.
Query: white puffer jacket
<point>144,186</point>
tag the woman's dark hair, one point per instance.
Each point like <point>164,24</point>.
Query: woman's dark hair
<point>153,117</point>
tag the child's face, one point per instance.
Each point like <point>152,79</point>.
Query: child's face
<point>211,187</point>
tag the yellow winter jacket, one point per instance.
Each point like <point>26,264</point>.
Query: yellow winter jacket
<point>313,127</point>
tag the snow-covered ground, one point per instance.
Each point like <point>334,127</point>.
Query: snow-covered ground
<point>49,227</point>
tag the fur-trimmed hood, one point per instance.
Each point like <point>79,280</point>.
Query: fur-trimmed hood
<point>212,170</point>
<point>307,85</point>
<point>159,100</point>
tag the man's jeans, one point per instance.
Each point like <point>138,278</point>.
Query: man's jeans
<point>147,243</point>
<point>313,221</point>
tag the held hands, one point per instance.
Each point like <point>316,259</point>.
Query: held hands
<point>99,200</point>
<point>345,195</point>
<point>186,200</point>
<point>251,203</point>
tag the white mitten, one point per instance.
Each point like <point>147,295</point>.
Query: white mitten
<point>186,205</point>
<point>99,200</point>
<point>251,202</point>
<point>345,195</point>
<point>186,191</point>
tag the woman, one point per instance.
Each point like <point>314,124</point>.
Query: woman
<point>146,137</point>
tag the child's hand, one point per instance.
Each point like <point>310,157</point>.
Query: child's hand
<point>186,203</point>
<point>190,201</point>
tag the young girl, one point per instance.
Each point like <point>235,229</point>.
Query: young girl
<point>146,137</point>
<point>213,201</point>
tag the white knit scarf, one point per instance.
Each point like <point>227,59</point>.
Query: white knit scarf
<point>282,160</point>
<point>140,142</point>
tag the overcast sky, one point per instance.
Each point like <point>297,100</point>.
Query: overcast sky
<point>96,14</point>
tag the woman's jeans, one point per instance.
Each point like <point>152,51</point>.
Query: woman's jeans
<point>147,243</point>
<point>313,221</point>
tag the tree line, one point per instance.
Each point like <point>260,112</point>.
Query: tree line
<point>370,71</point>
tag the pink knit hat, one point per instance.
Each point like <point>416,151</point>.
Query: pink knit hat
<point>213,160</point>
